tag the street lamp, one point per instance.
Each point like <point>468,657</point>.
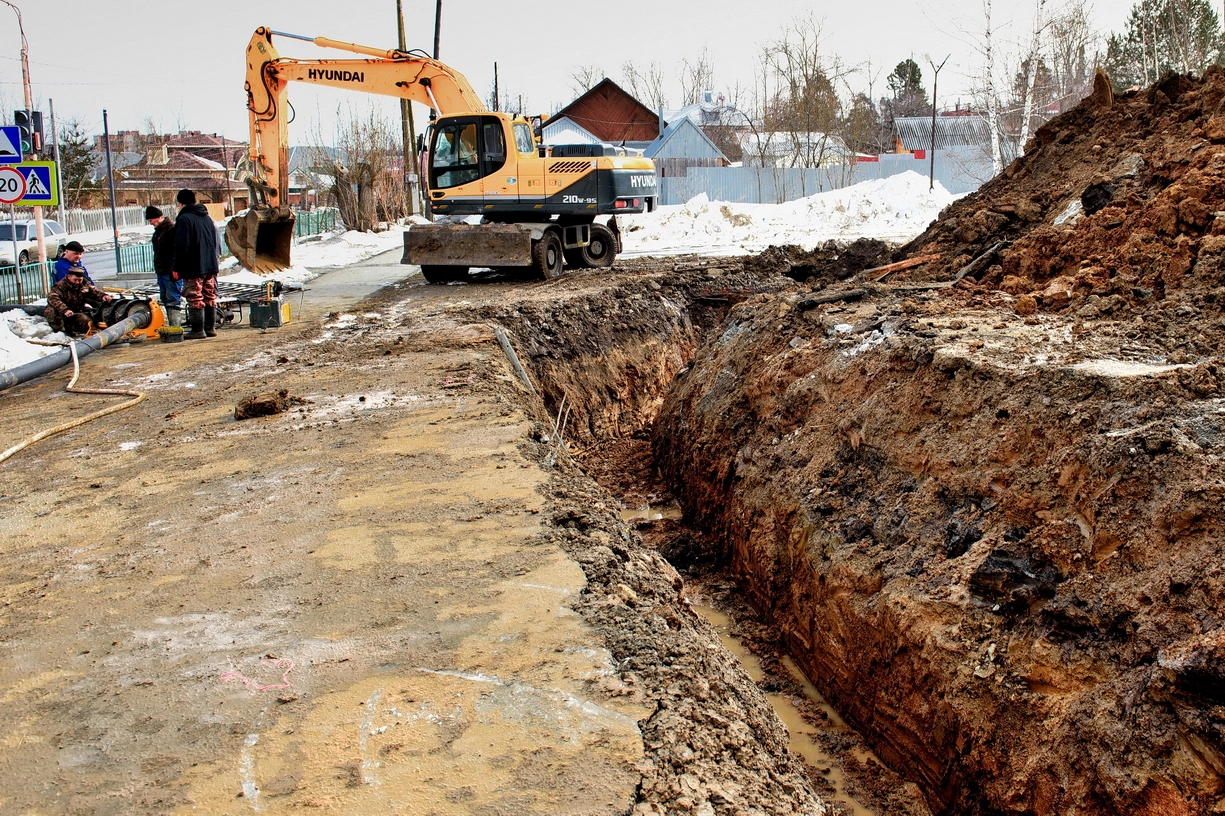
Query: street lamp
<point>931,176</point>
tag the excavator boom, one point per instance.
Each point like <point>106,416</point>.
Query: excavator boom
<point>261,240</point>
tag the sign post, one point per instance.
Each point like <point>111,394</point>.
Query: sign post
<point>12,188</point>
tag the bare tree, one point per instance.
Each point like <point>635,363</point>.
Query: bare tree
<point>988,93</point>
<point>1072,53</point>
<point>805,103</point>
<point>696,77</point>
<point>584,78</point>
<point>1032,64</point>
<point>366,169</point>
<point>646,85</point>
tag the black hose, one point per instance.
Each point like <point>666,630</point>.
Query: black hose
<point>31,310</point>
<point>45,365</point>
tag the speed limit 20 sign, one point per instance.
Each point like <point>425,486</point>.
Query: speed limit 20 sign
<point>12,185</point>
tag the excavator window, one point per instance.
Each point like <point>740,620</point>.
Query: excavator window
<point>524,143</point>
<point>466,149</point>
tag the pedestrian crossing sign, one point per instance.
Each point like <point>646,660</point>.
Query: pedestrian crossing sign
<point>10,145</point>
<point>41,187</point>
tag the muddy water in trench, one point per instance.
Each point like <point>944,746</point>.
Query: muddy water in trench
<point>802,733</point>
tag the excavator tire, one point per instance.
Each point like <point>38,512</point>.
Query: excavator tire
<point>443,274</point>
<point>602,250</point>
<point>547,257</point>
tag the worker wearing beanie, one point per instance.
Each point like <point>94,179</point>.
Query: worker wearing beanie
<point>169,284</point>
<point>197,260</point>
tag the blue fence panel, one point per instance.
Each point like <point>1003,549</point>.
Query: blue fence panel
<point>958,170</point>
<point>35,283</point>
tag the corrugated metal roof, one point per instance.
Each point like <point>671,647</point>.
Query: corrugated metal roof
<point>951,131</point>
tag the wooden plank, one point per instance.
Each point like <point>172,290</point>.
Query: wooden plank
<point>878,273</point>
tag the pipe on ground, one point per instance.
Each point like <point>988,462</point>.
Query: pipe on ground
<point>45,365</point>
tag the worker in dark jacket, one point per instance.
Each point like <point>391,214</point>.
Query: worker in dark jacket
<point>197,261</point>
<point>169,284</point>
<point>69,301</point>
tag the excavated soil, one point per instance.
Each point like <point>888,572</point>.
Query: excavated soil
<point>979,496</point>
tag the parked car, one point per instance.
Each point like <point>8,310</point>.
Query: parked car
<point>54,238</point>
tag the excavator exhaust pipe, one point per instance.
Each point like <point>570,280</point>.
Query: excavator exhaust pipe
<point>262,239</point>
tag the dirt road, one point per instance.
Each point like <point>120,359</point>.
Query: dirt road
<point>400,596</point>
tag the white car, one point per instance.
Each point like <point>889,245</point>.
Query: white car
<point>54,237</point>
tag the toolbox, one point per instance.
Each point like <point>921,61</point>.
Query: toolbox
<point>270,313</point>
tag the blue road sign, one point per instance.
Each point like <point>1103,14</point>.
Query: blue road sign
<point>41,189</point>
<point>10,145</point>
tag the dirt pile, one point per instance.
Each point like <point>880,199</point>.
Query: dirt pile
<point>1113,211</point>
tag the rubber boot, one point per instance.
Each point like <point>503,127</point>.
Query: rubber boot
<point>210,321</point>
<point>174,316</point>
<point>195,322</point>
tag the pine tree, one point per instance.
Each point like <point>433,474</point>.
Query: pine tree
<point>1164,35</point>
<point>76,162</point>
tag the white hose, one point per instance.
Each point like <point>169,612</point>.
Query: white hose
<point>76,371</point>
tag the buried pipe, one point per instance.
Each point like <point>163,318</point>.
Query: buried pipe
<point>45,365</point>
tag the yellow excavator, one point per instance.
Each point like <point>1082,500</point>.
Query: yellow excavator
<point>537,204</point>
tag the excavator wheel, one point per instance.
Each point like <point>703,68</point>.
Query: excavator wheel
<point>547,257</point>
<point>444,274</point>
<point>602,250</point>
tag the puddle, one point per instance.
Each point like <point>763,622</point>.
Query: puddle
<point>802,732</point>
<point>651,514</point>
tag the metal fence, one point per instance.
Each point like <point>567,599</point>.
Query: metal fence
<point>314,222</point>
<point>95,220</point>
<point>959,171</point>
<point>34,282</point>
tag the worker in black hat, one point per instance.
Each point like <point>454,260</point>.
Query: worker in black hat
<point>169,284</point>
<point>70,257</point>
<point>197,259</point>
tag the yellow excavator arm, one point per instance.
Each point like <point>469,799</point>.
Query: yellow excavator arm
<point>261,241</point>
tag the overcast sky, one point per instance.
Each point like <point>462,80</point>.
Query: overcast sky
<point>180,63</point>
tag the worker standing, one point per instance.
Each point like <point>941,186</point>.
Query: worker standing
<point>169,284</point>
<point>197,260</point>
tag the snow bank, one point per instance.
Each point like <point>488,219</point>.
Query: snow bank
<point>896,208</point>
<point>16,330</point>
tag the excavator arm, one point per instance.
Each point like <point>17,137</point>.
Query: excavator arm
<point>261,240</point>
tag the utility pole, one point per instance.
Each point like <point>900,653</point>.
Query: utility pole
<point>495,88</point>
<point>931,175</point>
<point>110,179</point>
<point>55,156</point>
<point>437,27</point>
<point>411,171</point>
<point>29,96</point>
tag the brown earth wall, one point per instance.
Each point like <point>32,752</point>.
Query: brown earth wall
<point>1008,575</point>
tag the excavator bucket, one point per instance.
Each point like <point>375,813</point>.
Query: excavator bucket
<point>261,239</point>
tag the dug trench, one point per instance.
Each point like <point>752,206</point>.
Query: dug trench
<point>993,541</point>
